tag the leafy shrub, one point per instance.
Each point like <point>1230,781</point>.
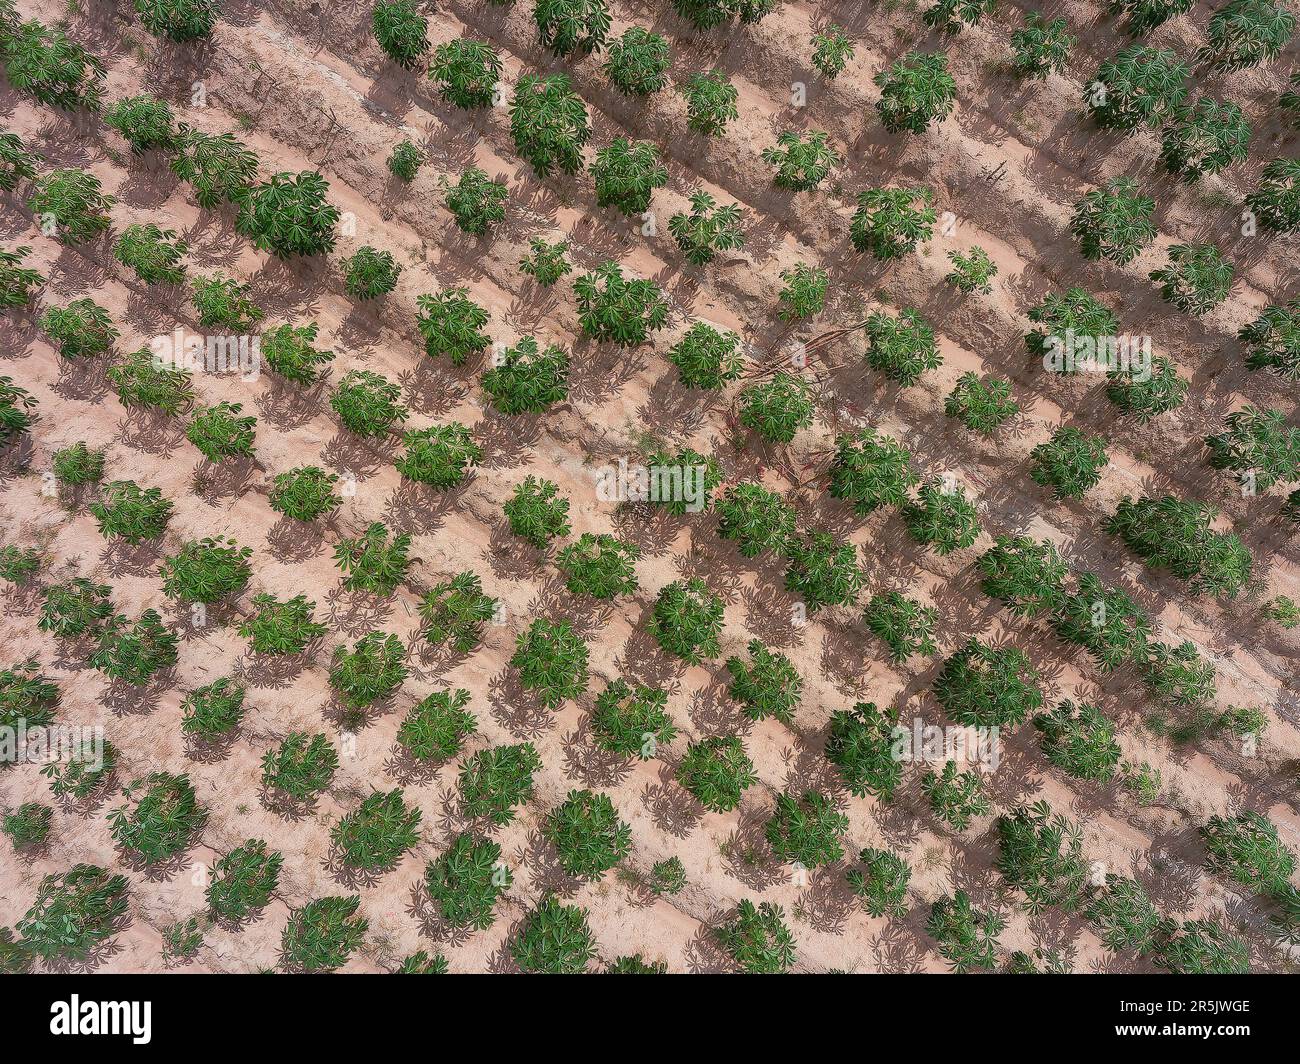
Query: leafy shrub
<point>162,821</point>
<point>304,494</point>
<point>1061,313</point>
<point>476,201</point>
<point>941,517</point>
<point>956,798</point>
<point>300,767</point>
<point>778,408</point>
<point>213,710</point>
<point>1070,463</point>
<point>451,324</point>
<point>614,310</point>
<point>967,936</point>
<point>1197,279</point>
<point>1079,740</point>
<point>27,826</point>
<point>206,570</point>
<point>16,406</point>
<point>75,607</point>
<point>440,456</point>
<point>890,222</point>
<point>1114,222</point>
<point>587,833</point>
<point>401,32</point>
<point>455,611</point>
<point>1258,445</point>
<point>368,403</point>
<point>902,347</point>
<point>131,513</point>
<point>17,282</point>
<point>321,935</point>
<point>73,912</point>
<point>244,881</point>
<point>144,121</point>
<point>1139,86</point>
<point>523,380</point>
<point>78,464</point>
<point>178,20</point>
<point>132,651</point>
<point>466,881</point>
<point>902,624</point>
<point>705,357</point>
<point>757,519</point>
<point>404,161</point>
<point>599,565</point>
<point>494,781</point>
<point>1163,390</point>
<point>41,62</point>
<point>758,939</point>
<point>1244,33</point>
<point>707,230</point>
<point>832,50</point>
<point>372,670</point>
<point>554,939</point>
<point>1202,947</point>
<point>376,834</point>
<point>981,404</point>
<point>467,72</point>
<point>717,772</point>
<point>1246,848</point>
<point>1124,915</point>
<point>687,620</point>
<point>278,628</point>
<point>802,163</point>
<point>626,175</point>
<point>806,829</point>
<point>536,512</point>
<point>1205,139</point>
<point>767,685</point>
<point>218,166</point>
<point>710,102</point>
<point>545,263</point>
<point>219,432</point>
<point>973,272</point>
<point>370,273</point>
<point>17,163</point>
<point>82,329</point>
<point>949,16</point>
<point>72,203</point>
<point>804,293</point>
<point>631,720</point>
<point>223,303</point>
<point>552,660</point>
<point>84,773</point>
<point>370,562</point>
<point>572,27</point>
<point>435,727</point>
<point>1104,621</point>
<point>881,882</point>
<point>18,566</point>
<point>141,383</point>
<point>549,123</point>
<point>289,215</point>
<point>668,876</point>
<point>1169,533</point>
<point>637,62</point>
<point>1276,201</point>
<point>1042,854</point>
<point>290,351</point>
<point>822,571</point>
<point>915,91</point>
<point>860,744</point>
<point>986,686</point>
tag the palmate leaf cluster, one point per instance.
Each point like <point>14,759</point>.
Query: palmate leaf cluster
<point>552,661</point>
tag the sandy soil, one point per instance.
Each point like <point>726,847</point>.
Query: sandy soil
<point>307,87</point>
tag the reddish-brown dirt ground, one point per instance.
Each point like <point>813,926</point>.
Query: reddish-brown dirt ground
<point>307,87</point>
